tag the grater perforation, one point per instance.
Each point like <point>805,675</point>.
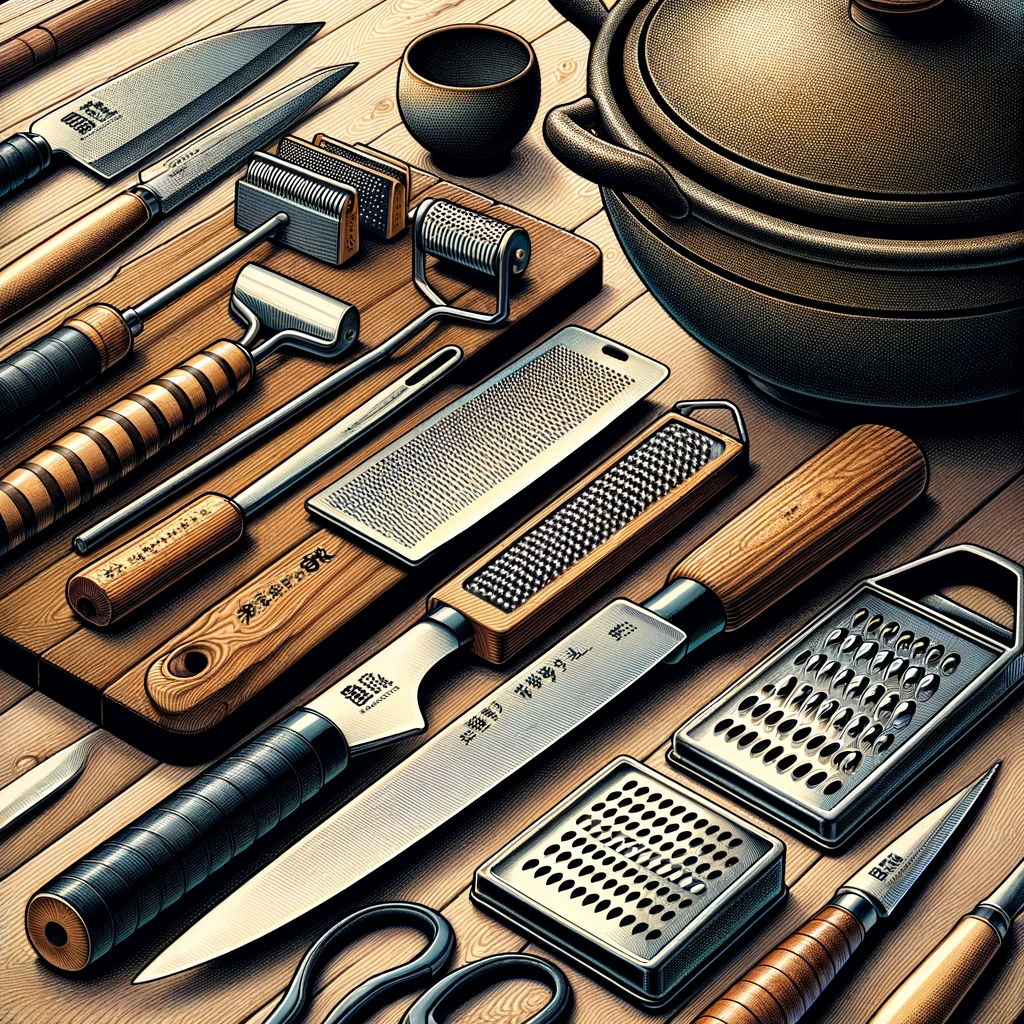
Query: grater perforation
<point>628,873</point>
<point>663,462</point>
<point>811,731</point>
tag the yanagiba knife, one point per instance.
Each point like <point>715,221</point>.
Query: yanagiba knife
<point>162,188</point>
<point>937,986</point>
<point>815,513</point>
<point>786,982</point>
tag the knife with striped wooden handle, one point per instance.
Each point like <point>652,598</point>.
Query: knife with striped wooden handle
<point>784,985</point>
<point>939,984</point>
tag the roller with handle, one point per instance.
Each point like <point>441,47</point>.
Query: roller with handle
<point>841,494</point>
<point>785,983</point>
<point>935,988</point>
<point>117,440</point>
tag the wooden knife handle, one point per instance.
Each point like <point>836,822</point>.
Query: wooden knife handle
<point>124,579</point>
<point>822,508</point>
<point>934,990</point>
<point>784,984</point>
<point>67,253</point>
<point>49,371</point>
<point>115,889</point>
<point>117,440</point>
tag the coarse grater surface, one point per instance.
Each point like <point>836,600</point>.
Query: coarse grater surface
<point>844,715</point>
<point>467,459</point>
<point>636,878</point>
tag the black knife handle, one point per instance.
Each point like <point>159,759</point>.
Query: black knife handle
<point>22,157</point>
<point>125,882</point>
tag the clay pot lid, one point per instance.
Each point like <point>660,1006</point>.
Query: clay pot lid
<point>845,111</point>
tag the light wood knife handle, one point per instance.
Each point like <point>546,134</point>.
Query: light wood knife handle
<point>934,990</point>
<point>116,440</point>
<point>124,579</point>
<point>784,984</point>
<point>822,508</point>
<point>67,253</point>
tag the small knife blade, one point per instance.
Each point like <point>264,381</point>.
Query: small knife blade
<point>512,725</point>
<point>118,124</point>
<point>44,782</point>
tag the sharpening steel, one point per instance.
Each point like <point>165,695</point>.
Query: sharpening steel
<point>833,500</point>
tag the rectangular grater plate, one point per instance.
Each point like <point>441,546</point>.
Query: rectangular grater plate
<point>446,474</point>
<point>834,723</point>
<point>636,878</point>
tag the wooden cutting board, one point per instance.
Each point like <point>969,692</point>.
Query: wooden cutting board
<point>102,673</point>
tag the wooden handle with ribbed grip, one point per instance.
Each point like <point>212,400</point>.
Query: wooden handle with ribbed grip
<point>125,882</point>
<point>124,579</point>
<point>935,989</point>
<point>67,253</point>
<point>822,508</point>
<point>49,371</point>
<point>109,445</point>
<point>784,984</point>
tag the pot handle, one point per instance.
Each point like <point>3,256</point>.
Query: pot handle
<point>568,135</point>
<point>587,15</point>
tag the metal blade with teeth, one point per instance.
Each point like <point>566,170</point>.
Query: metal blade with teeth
<point>891,874</point>
<point>204,159</point>
<point>137,113</point>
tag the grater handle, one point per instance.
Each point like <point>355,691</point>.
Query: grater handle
<point>934,990</point>
<point>786,982</point>
<point>118,439</point>
<point>822,508</point>
<point>125,882</point>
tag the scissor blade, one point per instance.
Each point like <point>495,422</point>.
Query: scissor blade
<point>512,725</point>
<point>44,781</point>
<point>121,123</point>
<point>204,159</point>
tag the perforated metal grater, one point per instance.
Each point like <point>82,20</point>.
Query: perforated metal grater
<point>636,878</point>
<point>861,701</point>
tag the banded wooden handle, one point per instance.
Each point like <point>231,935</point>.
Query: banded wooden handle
<point>934,990</point>
<point>822,508</point>
<point>115,441</point>
<point>125,882</point>
<point>126,578</point>
<point>786,982</point>
<point>49,371</point>
<point>69,252</point>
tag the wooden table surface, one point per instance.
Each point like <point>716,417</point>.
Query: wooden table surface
<point>976,494</point>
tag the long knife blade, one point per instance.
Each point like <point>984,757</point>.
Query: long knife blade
<point>202,160</point>
<point>122,122</point>
<point>512,725</point>
<point>48,779</point>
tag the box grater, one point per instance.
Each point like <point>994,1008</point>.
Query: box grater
<point>636,878</point>
<point>833,724</point>
<point>446,474</point>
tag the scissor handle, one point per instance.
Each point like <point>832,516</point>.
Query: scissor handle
<point>381,987</point>
<point>449,992</point>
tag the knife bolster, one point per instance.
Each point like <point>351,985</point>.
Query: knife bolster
<point>22,157</point>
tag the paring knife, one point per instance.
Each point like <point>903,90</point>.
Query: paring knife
<point>44,782</point>
<point>815,513</point>
<point>162,188</point>
<point>786,982</point>
<point>118,124</point>
<point>936,987</point>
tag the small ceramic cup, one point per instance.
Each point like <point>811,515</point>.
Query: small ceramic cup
<point>468,94</point>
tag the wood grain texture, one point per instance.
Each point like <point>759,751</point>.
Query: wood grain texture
<point>70,251</point>
<point>827,505</point>
<point>499,634</point>
<point>126,578</point>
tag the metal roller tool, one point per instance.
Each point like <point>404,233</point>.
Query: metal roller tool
<point>124,579</point>
<point>844,492</point>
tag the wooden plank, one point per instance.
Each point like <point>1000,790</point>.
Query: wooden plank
<point>11,690</point>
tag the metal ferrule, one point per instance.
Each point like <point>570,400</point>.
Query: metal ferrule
<point>859,905</point>
<point>457,623</point>
<point>133,320</point>
<point>149,197</point>
<point>995,916</point>
<point>693,608</point>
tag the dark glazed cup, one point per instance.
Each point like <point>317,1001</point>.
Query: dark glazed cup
<point>469,93</point>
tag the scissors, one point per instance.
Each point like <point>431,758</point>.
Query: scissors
<point>443,996</point>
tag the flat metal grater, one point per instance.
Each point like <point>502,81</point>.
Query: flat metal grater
<point>446,474</point>
<point>636,878</point>
<point>837,721</point>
